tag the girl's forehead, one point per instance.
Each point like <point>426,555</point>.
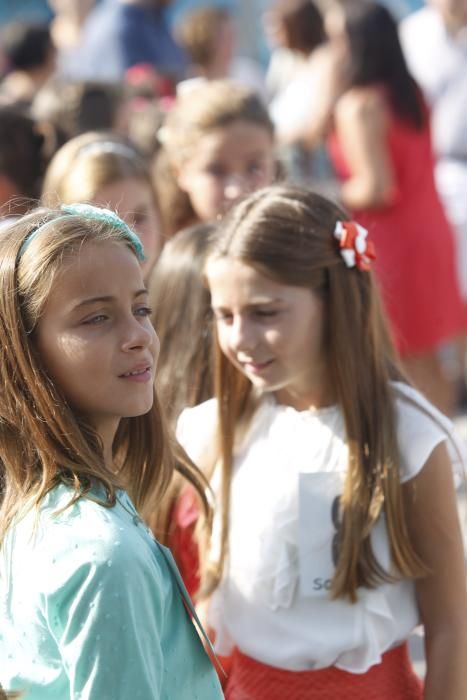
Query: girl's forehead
<point>220,135</point>
<point>98,257</point>
<point>96,269</point>
<point>233,277</point>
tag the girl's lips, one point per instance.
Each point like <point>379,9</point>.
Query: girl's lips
<point>256,367</point>
<point>138,375</point>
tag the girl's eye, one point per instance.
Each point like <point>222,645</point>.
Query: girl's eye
<point>222,316</point>
<point>143,311</point>
<point>215,170</point>
<point>95,320</point>
<point>255,169</point>
<point>265,314</point>
<point>139,219</point>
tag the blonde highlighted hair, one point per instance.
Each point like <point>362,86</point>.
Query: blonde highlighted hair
<point>286,233</point>
<point>42,440</point>
<point>198,111</point>
<point>198,32</point>
<point>89,162</point>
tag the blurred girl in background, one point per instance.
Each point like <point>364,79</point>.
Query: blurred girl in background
<point>217,146</point>
<point>107,170</point>
<point>303,64</point>
<point>381,149</point>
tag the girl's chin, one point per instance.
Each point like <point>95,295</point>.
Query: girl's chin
<point>137,411</point>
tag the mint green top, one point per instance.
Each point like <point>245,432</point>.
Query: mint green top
<point>91,609</point>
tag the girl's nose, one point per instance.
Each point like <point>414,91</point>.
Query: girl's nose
<point>242,336</point>
<point>139,335</point>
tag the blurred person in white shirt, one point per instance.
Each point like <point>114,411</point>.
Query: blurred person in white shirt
<point>435,44</point>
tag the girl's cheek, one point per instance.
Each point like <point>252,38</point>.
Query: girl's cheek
<point>275,336</point>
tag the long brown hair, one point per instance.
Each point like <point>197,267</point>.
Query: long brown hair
<point>181,315</point>
<point>42,440</point>
<point>286,233</point>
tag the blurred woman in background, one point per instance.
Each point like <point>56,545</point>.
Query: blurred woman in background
<point>381,149</point>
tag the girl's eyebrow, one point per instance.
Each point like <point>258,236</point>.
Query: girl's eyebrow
<point>106,299</point>
<point>255,302</point>
<point>259,301</point>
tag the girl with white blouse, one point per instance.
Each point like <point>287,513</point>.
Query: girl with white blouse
<point>336,531</point>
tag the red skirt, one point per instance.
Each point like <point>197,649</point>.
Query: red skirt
<point>392,679</point>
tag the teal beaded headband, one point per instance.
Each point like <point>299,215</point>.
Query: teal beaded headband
<point>87,211</point>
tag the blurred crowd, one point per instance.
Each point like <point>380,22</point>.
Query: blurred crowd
<point>168,123</point>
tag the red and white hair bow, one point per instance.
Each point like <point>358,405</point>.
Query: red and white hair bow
<point>355,248</point>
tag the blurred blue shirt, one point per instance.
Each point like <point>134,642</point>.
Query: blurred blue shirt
<point>117,36</point>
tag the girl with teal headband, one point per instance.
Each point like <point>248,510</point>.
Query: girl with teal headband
<point>91,606</point>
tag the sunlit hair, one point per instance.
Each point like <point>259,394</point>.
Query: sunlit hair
<point>198,111</point>
<point>87,163</point>
<point>181,315</point>
<point>198,33</point>
<point>286,233</point>
<point>43,441</point>
<point>181,310</point>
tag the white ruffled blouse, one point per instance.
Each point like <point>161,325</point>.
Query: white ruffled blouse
<point>273,602</point>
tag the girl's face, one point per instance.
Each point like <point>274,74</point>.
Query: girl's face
<point>272,332</point>
<point>134,201</point>
<point>95,337</point>
<point>228,163</point>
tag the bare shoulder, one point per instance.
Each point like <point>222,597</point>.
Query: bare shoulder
<point>361,103</point>
<point>322,56</point>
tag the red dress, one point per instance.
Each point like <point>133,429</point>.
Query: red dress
<point>182,541</point>
<point>415,264</point>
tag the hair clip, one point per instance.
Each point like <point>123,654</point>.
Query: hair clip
<point>355,248</point>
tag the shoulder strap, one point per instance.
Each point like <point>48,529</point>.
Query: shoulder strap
<point>188,603</point>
